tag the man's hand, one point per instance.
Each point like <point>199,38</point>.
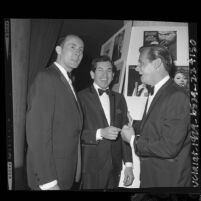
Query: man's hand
<point>54,188</point>
<point>110,132</point>
<point>128,176</point>
<point>127,132</point>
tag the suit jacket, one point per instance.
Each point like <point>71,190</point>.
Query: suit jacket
<point>97,153</point>
<point>164,144</point>
<point>53,128</point>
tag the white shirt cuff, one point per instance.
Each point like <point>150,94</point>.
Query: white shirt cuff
<point>131,141</point>
<point>129,164</point>
<point>98,135</point>
<point>48,185</point>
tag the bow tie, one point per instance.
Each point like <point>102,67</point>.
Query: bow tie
<point>150,89</point>
<point>69,75</point>
<point>101,91</point>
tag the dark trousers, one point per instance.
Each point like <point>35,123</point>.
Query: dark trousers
<point>107,178</point>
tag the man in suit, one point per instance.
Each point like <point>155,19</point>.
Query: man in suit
<point>54,122</point>
<point>163,143</point>
<point>105,112</point>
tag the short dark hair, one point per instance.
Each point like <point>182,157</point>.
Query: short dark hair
<point>62,40</point>
<point>158,51</point>
<point>102,58</point>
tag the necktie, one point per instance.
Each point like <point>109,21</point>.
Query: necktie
<point>69,75</point>
<point>101,91</point>
<point>150,89</point>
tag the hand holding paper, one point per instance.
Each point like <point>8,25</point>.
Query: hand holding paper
<point>127,132</point>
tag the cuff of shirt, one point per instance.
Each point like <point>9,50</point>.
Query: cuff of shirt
<point>128,164</point>
<point>98,135</point>
<point>132,140</point>
<point>48,185</point>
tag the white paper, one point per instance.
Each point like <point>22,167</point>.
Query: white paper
<point>136,106</point>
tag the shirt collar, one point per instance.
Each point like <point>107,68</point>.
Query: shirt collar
<point>97,87</point>
<point>160,84</point>
<point>62,69</point>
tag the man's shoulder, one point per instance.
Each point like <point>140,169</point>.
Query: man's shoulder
<point>84,92</point>
<point>174,91</point>
<point>117,94</point>
<point>46,72</point>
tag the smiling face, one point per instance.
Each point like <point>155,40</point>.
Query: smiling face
<point>103,74</point>
<point>70,53</point>
<point>180,79</point>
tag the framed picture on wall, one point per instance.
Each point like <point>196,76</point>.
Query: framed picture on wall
<point>118,46</point>
<point>181,76</point>
<point>167,39</point>
<point>174,38</point>
<point>118,78</point>
<point>107,48</point>
<point>135,86</point>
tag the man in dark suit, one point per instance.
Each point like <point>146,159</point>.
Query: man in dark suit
<point>105,112</point>
<point>163,143</point>
<point>54,122</point>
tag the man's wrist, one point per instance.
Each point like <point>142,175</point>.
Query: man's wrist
<point>98,135</point>
<point>128,164</point>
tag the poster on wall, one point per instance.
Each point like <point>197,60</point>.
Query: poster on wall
<point>167,39</point>
<point>174,38</point>
<point>135,86</point>
<point>181,76</point>
<point>118,46</point>
<point>118,78</point>
<point>107,48</point>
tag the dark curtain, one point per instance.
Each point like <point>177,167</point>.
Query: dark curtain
<point>44,35</point>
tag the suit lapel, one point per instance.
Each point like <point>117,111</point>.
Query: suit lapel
<point>154,101</point>
<point>60,76</point>
<point>112,108</point>
<point>98,105</point>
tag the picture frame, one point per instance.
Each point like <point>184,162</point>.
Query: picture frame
<point>167,39</point>
<point>107,48</point>
<point>118,79</point>
<point>141,35</point>
<point>118,46</point>
<point>135,86</point>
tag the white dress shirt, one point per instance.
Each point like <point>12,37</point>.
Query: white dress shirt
<point>63,71</point>
<point>105,102</point>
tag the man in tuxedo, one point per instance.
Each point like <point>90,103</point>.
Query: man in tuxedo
<point>163,142</point>
<point>54,122</point>
<point>105,112</point>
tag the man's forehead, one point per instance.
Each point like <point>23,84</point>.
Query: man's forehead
<point>104,63</point>
<point>74,39</point>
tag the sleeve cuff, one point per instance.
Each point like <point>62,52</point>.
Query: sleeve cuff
<point>48,185</point>
<point>98,135</point>
<point>128,164</point>
<point>131,141</point>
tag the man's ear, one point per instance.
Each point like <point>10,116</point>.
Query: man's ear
<point>92,74</point>
<point>157,63</point>
<point>58,49</point>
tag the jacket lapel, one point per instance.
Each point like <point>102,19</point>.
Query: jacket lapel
<point>98,105</point>
<point>112,108</point>
<point>154,101</point>
<point>60,76</point>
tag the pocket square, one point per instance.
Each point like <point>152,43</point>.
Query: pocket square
<point>118,111</point>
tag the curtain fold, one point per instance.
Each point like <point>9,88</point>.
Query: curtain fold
<point>44,34</point>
